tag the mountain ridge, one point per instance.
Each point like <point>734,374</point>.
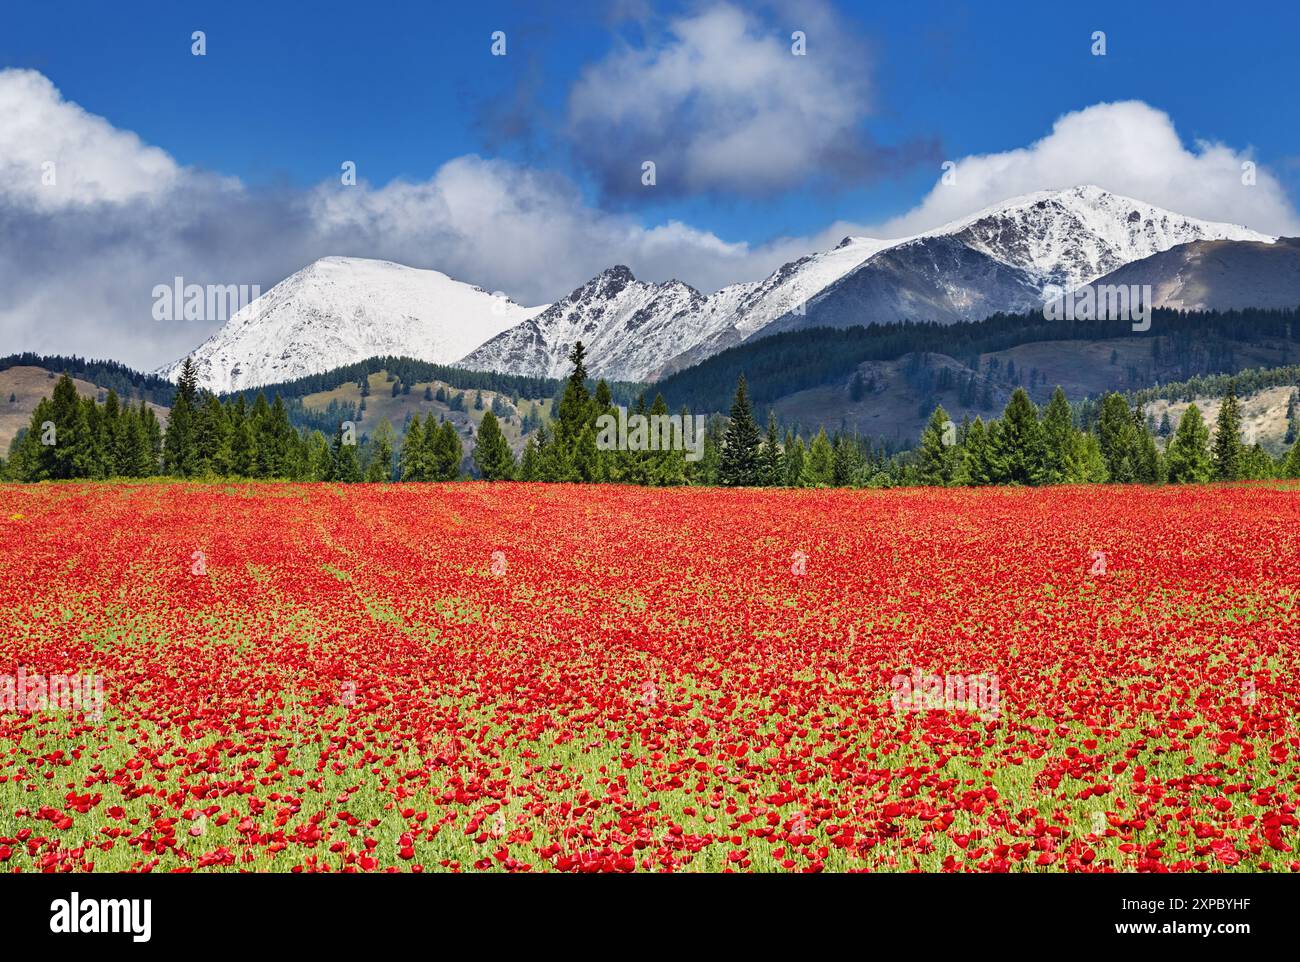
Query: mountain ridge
<point>999,259</point>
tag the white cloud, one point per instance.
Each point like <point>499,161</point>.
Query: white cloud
<point>1128,148</point>
<point>508,227</point>
<point>79,261</point>
<point>78,266</point>
<point>92,160</point>
<point>721,103</point>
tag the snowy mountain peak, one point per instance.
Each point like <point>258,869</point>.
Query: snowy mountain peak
<point>1072,236</point>
<point>339,310</point>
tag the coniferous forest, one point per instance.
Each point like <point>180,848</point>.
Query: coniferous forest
<point>246,436</point>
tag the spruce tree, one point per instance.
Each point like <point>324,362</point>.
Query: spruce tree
<point>528,465</point>
<point>319,460</point>
<point>243,444</point>
<point>794,461</point>
<point>572,416</point>
<point>975,454</point>
<point>492,455</point>
<point>936,460</point>
<point>773,464</point>
<point>179,454</point>
<point>379,466</point>
<point>72,455</point>
<point>346,466</point>
<point>819,465</point>
<point>1059,441</point>
<point>1149,467</point>
<point>848,464</point>
<point>1020,441</point>
<point>1227,450</point>
<point>740,463</point>
<point>1291,464</point>
<point>1117,439</point>
<point>154,431</point>
<point>412,456</point>
<point>448,452</point>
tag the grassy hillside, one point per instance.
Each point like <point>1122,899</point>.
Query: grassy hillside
<point>27,384</point>
<point>381,403</point>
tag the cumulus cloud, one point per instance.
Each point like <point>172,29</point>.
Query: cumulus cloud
<point>57,155</point>
<point>1128,148</point>
<point>79,259</point>
<point>720,102</point>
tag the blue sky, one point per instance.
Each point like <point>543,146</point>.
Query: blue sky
<point>283,93</point>
<point>522,173</point>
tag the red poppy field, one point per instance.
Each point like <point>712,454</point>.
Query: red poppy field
<point>559,678</point>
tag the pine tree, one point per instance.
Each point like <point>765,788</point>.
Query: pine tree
<point>1227,450</point>
<point>492,454</point>
<point>740,464</point>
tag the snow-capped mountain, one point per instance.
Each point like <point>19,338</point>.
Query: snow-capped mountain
<point>997,259</point>
<point>339,310</point>
<point>1070,237</point>
<point>632,328</point>
<point>624,322</point>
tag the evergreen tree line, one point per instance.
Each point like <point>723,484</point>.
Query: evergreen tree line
<point>122,380</point>
<point>1024,447</point>
<point>74,437</point>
